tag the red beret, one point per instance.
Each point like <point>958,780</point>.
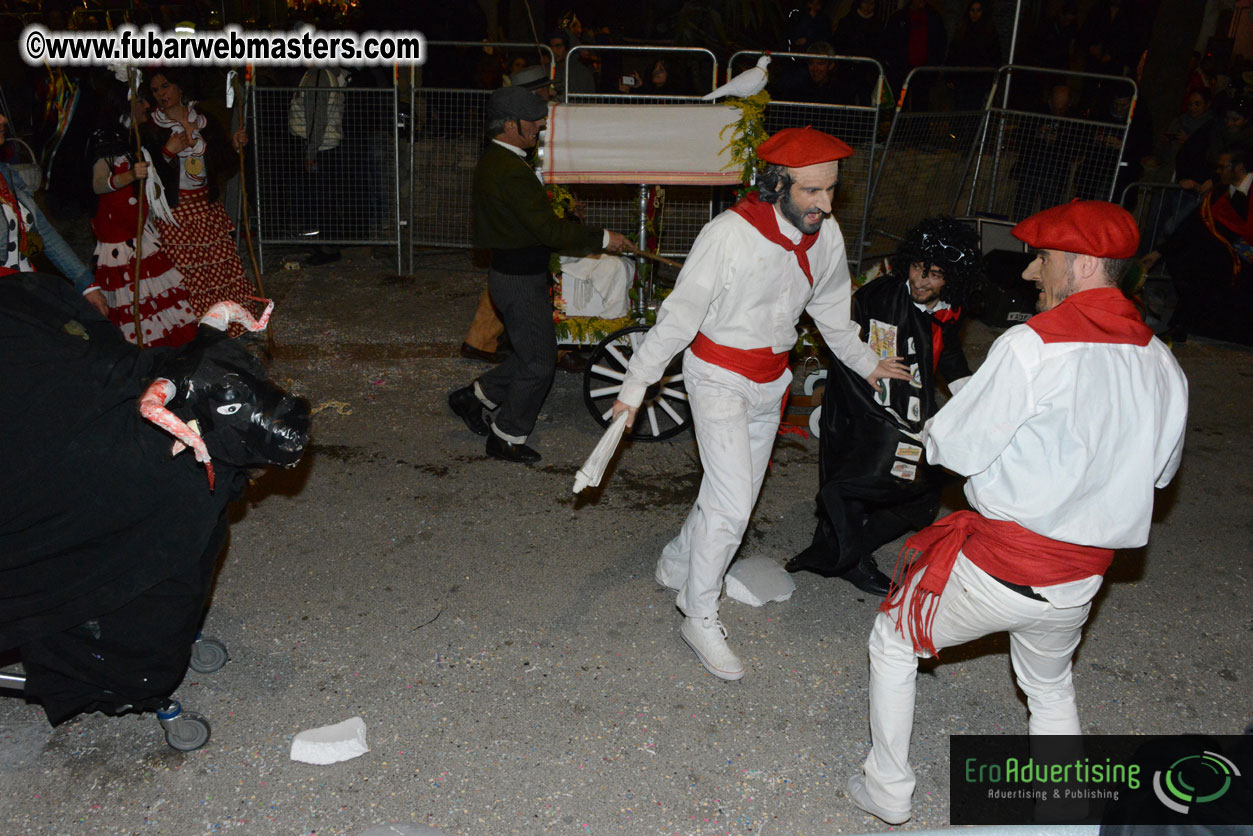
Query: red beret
<point>799,147</point>
<point>1087,227</point>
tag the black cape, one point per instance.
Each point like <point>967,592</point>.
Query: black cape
<point>107,543</point>
<point>868,442</point>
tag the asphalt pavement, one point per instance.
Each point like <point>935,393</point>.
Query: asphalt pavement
<point>516,666</point>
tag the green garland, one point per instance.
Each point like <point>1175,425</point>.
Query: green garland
<point>748,132</point>
<point>586,330</point>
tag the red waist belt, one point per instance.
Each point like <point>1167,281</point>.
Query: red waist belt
<point>760,365</point>
<point>1003,549</point>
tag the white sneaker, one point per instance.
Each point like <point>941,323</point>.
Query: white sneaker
<point>708,638</point>
<point>860,796</point>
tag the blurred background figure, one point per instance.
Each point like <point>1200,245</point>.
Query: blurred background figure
<point>165,312</point>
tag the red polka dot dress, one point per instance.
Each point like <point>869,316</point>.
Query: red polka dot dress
<point>165,309</point>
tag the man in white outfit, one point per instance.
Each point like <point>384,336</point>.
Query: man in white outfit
<point>1064,431</point>
<point>750,274</point>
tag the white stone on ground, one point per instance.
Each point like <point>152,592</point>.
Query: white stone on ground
<point>758,580</point>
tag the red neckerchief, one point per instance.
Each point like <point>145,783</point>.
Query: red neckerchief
<point>7,271</point>
<point>1103,315</point>
<point>1206,213</point>
<point>762,216</point>
<point>944,315</point>
<point>1003,549</point>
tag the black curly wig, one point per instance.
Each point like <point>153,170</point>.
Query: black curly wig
<point>946,243</point>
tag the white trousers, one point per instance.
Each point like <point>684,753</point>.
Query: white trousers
<point>736,421</point>
<point>1041,640</point>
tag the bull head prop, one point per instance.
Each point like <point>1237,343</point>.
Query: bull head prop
<point>237,415</point>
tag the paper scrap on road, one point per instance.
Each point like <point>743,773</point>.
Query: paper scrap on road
<point>593,469</point>
<point>330,744</point>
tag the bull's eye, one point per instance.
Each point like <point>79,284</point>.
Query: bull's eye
<point>229,409</point>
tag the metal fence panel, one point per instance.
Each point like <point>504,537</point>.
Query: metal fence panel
<point>1030,161</point>
<point>447,142</point>
<point>927,157</point>
<point>350,195</point>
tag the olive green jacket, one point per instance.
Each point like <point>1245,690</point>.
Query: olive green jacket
<point>511,209</point>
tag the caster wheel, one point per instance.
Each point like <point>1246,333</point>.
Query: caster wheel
<point>664,412</point>
<point>207,655</point>
<point>187,732</point>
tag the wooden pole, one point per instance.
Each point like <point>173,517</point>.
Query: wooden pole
<point>243,185</point>
<point>140,195</point>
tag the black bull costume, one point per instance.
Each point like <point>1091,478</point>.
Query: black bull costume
<point>108,543</point>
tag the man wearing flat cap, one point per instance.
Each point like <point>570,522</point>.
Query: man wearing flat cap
<point>1063,433</point>
<point>751,272</point>
<point>514,221</point>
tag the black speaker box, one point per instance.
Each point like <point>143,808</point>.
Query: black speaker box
<point>1006,298</point>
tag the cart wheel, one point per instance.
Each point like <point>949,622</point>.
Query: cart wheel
<point>664,412</point>
<point>185,731</point>
<point>207,655</point>
<point>813,380</point>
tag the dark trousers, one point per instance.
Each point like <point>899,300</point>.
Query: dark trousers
<point>521,383</point>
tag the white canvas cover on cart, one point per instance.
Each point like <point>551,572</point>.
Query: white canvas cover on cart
<point>660,145</point>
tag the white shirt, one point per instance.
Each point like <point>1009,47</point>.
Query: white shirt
<point>741,290</point>
<point>1066,439</point>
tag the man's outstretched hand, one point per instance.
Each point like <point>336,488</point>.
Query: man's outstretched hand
<point>893,367</point>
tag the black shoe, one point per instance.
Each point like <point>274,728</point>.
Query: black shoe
<point>469,409</point>
<point>572,361</point>
<point>867,577</point>
<point>817,559</point>
<point>471,353</point>
<point>321,257</point>
<point>498,448</point>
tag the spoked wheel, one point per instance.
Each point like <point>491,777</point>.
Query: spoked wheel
<point>664,412</point>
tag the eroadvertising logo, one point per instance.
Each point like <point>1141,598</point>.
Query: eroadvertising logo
<point>1107,779</point>
<point>1193,780</point>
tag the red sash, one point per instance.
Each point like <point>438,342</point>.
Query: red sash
<point>762,216</point>
<point>1103,315</point>
<point>1003,549</point>
<point>760,365</point>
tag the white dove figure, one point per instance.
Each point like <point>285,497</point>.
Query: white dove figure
<point>747,83</point>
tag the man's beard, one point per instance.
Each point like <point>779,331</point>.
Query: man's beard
<point>795,216</point>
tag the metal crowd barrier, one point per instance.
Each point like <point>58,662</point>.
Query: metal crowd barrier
<point>927,157</point>
<point>854,118</point>
<point>447,116</point>
<point>1031,160</point>
<point>964,141</point>
<point>352,197</point>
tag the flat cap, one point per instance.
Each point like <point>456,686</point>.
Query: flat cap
<point>799,147</point>
<point>530,78</point>
<point>516,103</point>
<point>1087,227</point>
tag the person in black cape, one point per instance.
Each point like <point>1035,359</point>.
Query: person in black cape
<point>874,481</point>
